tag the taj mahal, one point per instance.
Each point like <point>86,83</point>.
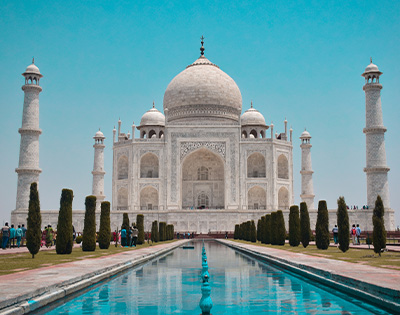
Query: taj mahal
<point>205,163</point>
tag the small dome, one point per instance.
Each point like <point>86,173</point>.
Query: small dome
<point>153,117</point>
<point>99,134</point>
<point>32,69</point>
<point>371,68</point>
<point>305,135</point>
<point>252,117</point>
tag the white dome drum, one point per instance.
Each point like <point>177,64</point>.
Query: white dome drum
<point>204,94</point>
<point>152,117</point>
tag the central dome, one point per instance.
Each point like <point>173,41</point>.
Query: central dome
<point>202,93</point>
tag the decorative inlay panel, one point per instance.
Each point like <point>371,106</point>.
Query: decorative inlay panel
<point>217,147</point>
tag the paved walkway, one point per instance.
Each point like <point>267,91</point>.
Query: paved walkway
<point>372,282</point>
<point>16,250</point>
<point>44,285</point>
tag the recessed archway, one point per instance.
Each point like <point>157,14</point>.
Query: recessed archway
<point>149,198</point>
<point>283,167</point>
<point>122,199</point>
<point>149,166</point>
<point>283,199</point>
<point>123,167</point>
<point>203,175</point>
<point>256,165</point>
<point>257,198</point>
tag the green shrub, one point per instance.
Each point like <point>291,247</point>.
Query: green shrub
<point>253,232</point>
<point>162,231</point>
<point>343,225</point>
<point>236,233</point>
<point>140,227</point>
<point>259,230</point>
<point>280,228</point>
<point>125,222</point>
<point>105,227</point>
<point>379,232</point>
<point>154,232</point>
<point>34,232</point>
<point>273,228</point>
<point>294,226</point>
<point>78,239</point>
<point>89,229</point>
<point>65,238</point>
<point>322,238</point>
<point>304,224</point>
<point>267,229</point>
<point>262,230</point>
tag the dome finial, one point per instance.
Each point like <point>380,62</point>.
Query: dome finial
<point>370,59</point>
<point>153,103</point>
<point>202,47</point>
<point>251,104</point>
<point>33,60</point>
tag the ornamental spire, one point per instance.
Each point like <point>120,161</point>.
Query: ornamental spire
<point>153,103</point>
<point>33,60</point>
<point>370,59</point>
<point>202,47</point>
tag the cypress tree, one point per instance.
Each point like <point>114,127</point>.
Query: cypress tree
<point>154,232</point>
<point>34,233</point>
<point>322,226</point>
<point>343,225</point>
<point>262,230</point>
<point>304,224</point>
<point>281,230</point>
<point>273,228</point>
<point>267,230</point>
<point>379,232</point>
<point>294,226</point>
<point>140,227</point>
<point>125,222</point>
<point>89,228</point>
<point>105,228</point>
<point>259,230</point>
<point>236,233</point>
<point>65,238</point>
<point>162,231</point>
<point>253,232</point>
<point>248,231</point>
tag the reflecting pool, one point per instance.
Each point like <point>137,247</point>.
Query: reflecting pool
<point>239,285</point>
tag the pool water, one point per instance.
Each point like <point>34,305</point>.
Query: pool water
<point>239,285</point>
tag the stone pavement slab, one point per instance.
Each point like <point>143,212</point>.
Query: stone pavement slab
<point>377,285</point>
<point>26,291</point>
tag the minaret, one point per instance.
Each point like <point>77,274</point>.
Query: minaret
<point>98,169</point>
<point>376,168</point>
<point>307,189</point>
<point>28,168</point>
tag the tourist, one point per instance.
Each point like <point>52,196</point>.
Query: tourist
<point>73,233</point>
<point>18,234</point>
<point>129,240</point>
<point>177,235</point>
<point>44,233</point>
<point>49,236</point>
<point>123,236</point>
<point>135,233</point>
<point>358,234</point>
<point>12,236</point>
<point>5,230</point>
<point>23,228</point>
<point>353,234</point>
<point>335,232</point>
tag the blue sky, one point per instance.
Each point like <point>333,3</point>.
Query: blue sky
<point>102,60</point>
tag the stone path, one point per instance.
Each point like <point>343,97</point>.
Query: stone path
<point>28,290</point>
<point>372,282</point>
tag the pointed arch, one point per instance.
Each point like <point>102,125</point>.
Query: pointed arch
<point>122,199</point>
<point>149,198</point>
<point>149,166</point>
<point>256,165</point>
<point>123,167</point>
<point>283,167</point>
<point>283,198</point>
<point>257,198</point>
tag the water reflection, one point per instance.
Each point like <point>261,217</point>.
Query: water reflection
<point>240,285</point>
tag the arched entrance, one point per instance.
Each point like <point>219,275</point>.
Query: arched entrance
<point>203,181</point>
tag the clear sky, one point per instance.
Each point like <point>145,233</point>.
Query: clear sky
<point>102,60</point>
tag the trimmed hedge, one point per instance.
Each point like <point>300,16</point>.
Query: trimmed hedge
<point>125,222</point>
<point>154,232</point>
<point>140,227</point>
<point>294,226</point>
<point>65,237</point>
<point>343,225</point>
<point>162,231</point>
<point>281,230</point>
<point>105,227</point>
<point>322,238</point>
<point>253,232</point>
<point>379,232</point>
<point>259,230</point>
<point>267,230</point>
<point>273,228</point>
<point>304,225</point>
<point>34,232</point>
<point>236,234</point>
<point>89,229</point>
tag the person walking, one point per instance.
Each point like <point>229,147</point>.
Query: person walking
<point>135,233</point>
<point>335,232</point>
<point>130,238</point>
<point>353,234</point>
<point>358,234</point>
<point>18,234</point>
<point>123,237</point>
<point>12,236</point>
<point>23,228</point>
<point>5,230</point>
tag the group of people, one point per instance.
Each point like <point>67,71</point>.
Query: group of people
<point>49,236</point>
<point>128,236</point>
<point>185,235</point>
<point>11,234</point>
<point>356,207</point>
<point>355,233</point>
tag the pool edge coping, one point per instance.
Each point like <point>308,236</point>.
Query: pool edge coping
<point>336,281</point>
<point>43,296</point>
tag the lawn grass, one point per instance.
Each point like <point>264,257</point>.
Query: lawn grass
<point>11,263</point>
<point>389,260</point>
